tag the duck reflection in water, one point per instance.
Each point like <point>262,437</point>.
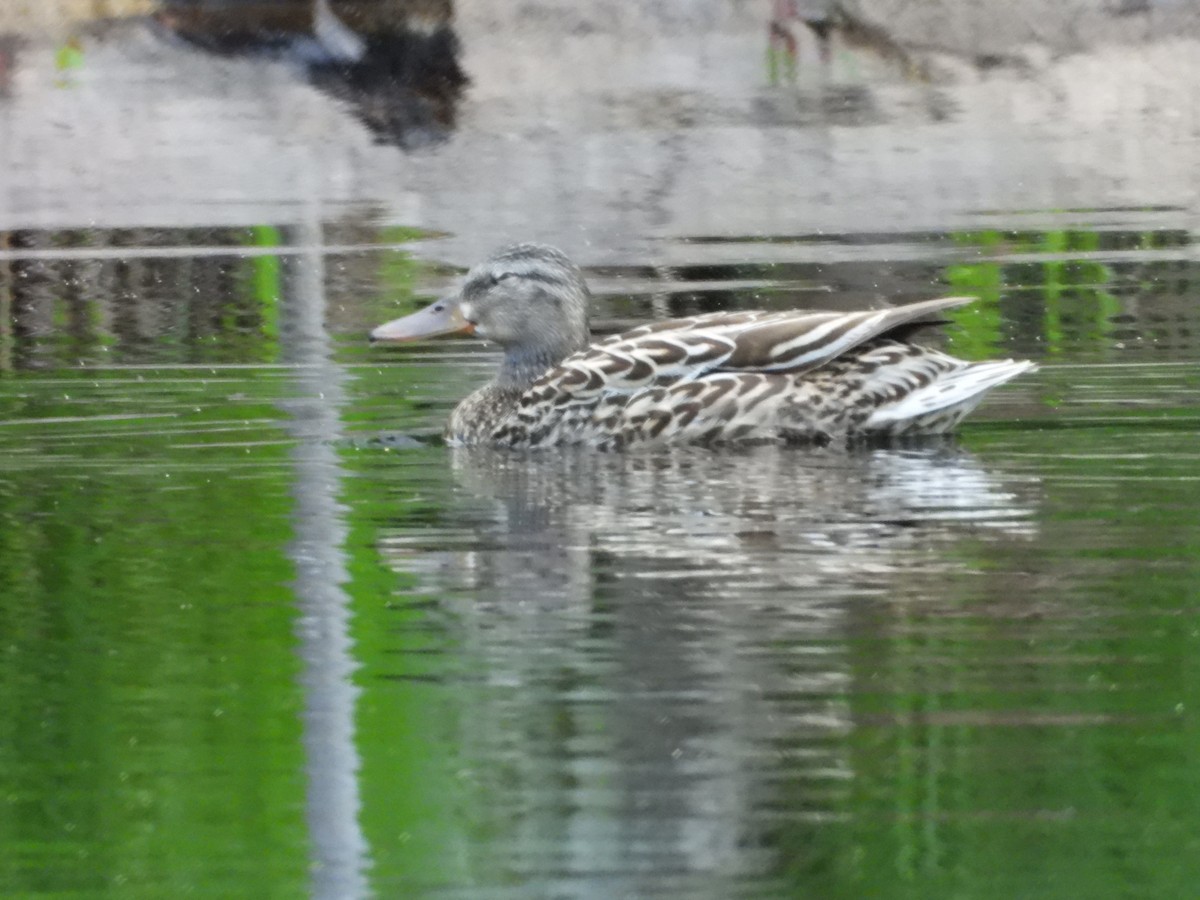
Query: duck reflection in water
<point>641,634</point>
<point>811,520</point>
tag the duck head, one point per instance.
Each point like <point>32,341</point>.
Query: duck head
<point>528,298</point>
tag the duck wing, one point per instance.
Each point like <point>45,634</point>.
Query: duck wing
<point>796,343</point>
<point>683,349</point>
<point>560,404</point>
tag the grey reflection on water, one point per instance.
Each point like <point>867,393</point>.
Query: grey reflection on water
<point>662,638</point>
<point>339,849</point>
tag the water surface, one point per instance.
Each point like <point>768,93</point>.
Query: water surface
<point>261,635</point>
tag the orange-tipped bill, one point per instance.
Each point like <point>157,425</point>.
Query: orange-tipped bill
<point>440,317</point>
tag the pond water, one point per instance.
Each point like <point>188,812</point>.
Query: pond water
<point>260,635</point>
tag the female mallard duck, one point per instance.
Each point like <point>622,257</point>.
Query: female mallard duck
<point>721,377</point>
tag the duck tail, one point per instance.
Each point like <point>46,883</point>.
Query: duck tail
<point>942,404</point>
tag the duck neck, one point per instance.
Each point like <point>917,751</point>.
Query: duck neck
<point>525,365</point>
<point>479,414</point>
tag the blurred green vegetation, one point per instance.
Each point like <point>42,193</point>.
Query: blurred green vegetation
<point>1077,308</point>
<point>150,741</point>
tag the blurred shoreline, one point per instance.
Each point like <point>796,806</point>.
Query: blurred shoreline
<point>606,132</point>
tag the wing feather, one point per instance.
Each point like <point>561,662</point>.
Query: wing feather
<point>800,342</point>
<point>625,382</point>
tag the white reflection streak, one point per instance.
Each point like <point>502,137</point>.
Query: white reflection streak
<point>338,847</point>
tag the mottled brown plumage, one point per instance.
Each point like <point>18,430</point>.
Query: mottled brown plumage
<point>717,378</point>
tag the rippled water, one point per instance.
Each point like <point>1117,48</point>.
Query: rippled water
<point>261,636</point>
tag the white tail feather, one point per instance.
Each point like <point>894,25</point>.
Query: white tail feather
<point>953,394</point>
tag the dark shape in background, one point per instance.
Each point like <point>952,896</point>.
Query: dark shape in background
<point>395,62</point>
<point>9,45</point>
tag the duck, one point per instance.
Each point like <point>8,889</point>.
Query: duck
<point>800,376</point>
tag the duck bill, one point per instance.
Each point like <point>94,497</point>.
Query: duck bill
<point>438,318</point>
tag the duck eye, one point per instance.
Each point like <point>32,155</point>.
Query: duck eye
<point>438,308</point>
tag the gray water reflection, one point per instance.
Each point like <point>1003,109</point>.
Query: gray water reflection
<point>338,846</point>
<point>661,642</point>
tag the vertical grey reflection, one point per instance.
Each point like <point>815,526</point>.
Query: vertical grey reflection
<point>339,850</point>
